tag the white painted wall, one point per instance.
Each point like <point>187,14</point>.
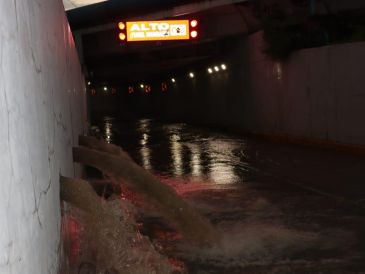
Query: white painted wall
<point>42,110</point>
<point>318,93</point>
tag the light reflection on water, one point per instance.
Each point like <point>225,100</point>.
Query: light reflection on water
<point>196,168</point>
<point>108,129</point>
<point>145,152</point>
<point>174,150</point>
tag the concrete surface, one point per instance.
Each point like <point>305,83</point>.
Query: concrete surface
<point>42,110</point>
<point>318,94</point>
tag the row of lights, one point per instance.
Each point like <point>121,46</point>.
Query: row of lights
<point>147,88</point>
<point>217,68</point>
<point>210,70</point>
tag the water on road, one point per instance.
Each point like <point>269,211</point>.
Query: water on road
<point>279,208</point>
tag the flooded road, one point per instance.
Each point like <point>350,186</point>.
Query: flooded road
<point>279,208</point>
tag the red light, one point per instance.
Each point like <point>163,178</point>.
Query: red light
<point>194,23</point>
<point>194,34</point>
<point>147,89</point>
<point>164,87</point>
<point>121,26</point>
<point>122,36</point>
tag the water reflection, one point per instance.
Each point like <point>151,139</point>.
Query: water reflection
<point>176,150</point>
<point>108,129</point>
<point>222,168</point>
<point>196,161</point>
<point>145,151</point>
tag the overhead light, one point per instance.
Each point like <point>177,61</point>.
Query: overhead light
<point>216,68</point>
<point>191,75</point>
<point>194,23</point>
<point>141,85</point>
<point>223,66</point>
<point>89,83</point>
<point>122,36</point>
<point>210,70</point>
<point>173,80</point>
<point>121,26</point>
<point>105,88</point>
<point>194,34</point>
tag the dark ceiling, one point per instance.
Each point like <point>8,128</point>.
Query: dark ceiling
<point>108,61</point>
<point>113,10</point>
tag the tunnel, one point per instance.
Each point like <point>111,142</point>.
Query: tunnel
<point>180,136</point>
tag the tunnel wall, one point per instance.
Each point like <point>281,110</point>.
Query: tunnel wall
<point>42,110</point>
<point>318,94</point>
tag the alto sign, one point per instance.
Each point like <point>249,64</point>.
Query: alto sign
<point>158,30</point>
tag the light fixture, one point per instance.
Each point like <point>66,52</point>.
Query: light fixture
<point>191,75</point>
<point>173,80</point>
<point>223,66</point>
<point>216,68</point>
<point>194,34</point>
<point>141,85</point>
<point>105,88</point>
<point>121,26</point>
<point>89,83</point>
<point>210,71</point>
<point>122,36</point>
<point>194,23</point>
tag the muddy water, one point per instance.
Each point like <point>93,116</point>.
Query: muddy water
<point>256,194</point>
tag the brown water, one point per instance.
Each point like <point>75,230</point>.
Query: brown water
<point>256,194</point>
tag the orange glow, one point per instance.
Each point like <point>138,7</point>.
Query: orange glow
<point>122,36</point>
<point>147,89</point>
<point>121,26</point>
<point>194,23</point>
<point>194,34</point>
<point>163,30</point>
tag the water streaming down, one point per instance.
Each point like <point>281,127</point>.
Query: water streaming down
<point>246,188</point>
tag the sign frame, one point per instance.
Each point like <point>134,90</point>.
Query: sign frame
<point>158,30</point>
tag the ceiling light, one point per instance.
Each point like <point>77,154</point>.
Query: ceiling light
<point>223,66</point>
<point>194,34</point>
<point>210,71</point>
<point>191,75</point>
<point>216,68</point>
<point>194,23</point>
<point>122,36</point>
<point>121,26</point>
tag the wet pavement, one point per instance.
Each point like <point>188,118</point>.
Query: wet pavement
<point>279,208</point>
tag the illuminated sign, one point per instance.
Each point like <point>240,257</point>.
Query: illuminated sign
<point>163,30</point>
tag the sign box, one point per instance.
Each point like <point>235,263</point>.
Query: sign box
<point>158,30</point>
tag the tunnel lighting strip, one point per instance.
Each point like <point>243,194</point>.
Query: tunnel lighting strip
<point>211,70</point>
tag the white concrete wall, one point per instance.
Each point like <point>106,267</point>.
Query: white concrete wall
<point>42,110</point>
<point>318,93</point>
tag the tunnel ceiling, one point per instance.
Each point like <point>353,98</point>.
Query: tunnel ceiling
<point>74,4</point>
<point>108,61</point>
